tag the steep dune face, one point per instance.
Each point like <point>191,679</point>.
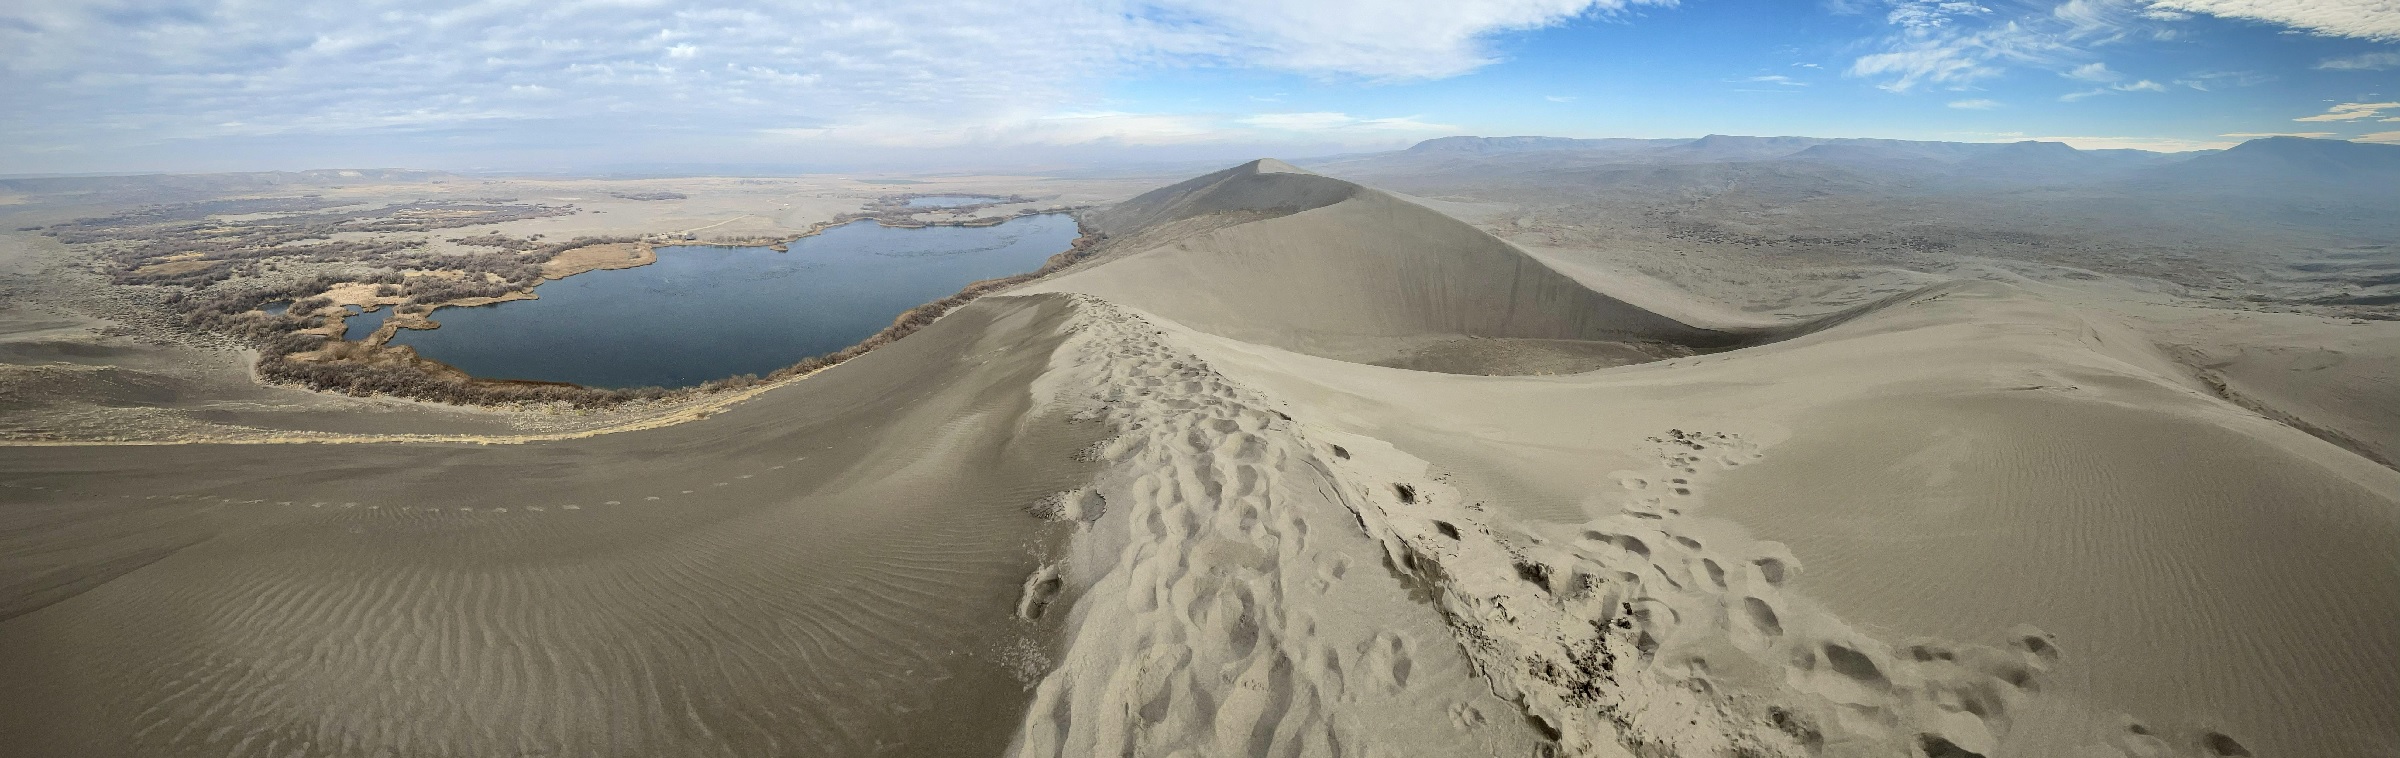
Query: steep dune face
<point>1265,254</point>
<point>1265,187</point>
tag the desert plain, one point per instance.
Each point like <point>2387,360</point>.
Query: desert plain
<point>1725,446</point>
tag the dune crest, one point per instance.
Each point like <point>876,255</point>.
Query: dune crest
<point>1327,267</point>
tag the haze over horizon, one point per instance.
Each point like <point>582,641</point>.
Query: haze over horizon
<point>216,85</point>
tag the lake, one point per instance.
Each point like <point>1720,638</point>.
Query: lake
<point>361,325</point>
<point>704,312</point>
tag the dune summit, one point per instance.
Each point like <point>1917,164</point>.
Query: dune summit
<point>1272,254</point>
<point>1287,466</point>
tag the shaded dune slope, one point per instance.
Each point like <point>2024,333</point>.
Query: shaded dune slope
<point>1266,253</point>
<point>823,572</point>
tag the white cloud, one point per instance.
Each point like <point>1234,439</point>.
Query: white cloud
<point>2385,138</point>
<point>2362,19</point>
<point>1342,122</point>
<point>2362,62</point>
<point>1978,104</point>
<point>2092,72</point>
<point>2263,135</point>
<point>1939,43</point>
<point>97,75</point>
<point>2351,112</point>
<point>2144,85</point>
<point>1777,79</point>
<point>1367,37</point>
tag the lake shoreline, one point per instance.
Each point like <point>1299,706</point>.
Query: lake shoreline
<point>373,368</point>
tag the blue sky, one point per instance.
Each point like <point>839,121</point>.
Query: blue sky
<point>183,85</point>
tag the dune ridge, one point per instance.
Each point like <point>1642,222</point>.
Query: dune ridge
<point>1327,267</point>
<point>1557,524</point>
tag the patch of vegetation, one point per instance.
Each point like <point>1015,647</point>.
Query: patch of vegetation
<point>190,245</point>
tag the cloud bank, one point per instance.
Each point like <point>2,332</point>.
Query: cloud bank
<point>2362,19</point>
<point>96,75</point>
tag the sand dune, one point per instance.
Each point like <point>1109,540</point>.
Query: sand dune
<point>830,572</point>
<point>1265,253</point>
<point>2051,539</point>
<point>1166,504</point>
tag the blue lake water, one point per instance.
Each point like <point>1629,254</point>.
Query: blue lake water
<point>703,313</point>
<point>359,325</point>
<point>948,201</point>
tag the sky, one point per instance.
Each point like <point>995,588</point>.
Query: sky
<point>596,85</point>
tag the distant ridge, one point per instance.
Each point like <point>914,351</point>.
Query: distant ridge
<point>1532,144</point>
<point>256,180</point>
<point>2021,164</point>
<point>2293,161</point>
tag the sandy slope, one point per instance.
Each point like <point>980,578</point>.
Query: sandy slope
<point>1965,461</point>
<point>828,572</point>
<point>1163,505</point>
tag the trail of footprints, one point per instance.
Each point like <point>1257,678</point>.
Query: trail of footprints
<point>1204,569</point>
<point>1649,631</point>
<point>1628,632</point>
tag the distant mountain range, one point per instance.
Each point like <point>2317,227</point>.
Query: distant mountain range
<point>2283,164</point>
<point>168,186</point>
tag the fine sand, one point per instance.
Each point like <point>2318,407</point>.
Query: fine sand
<point>1168,503</point>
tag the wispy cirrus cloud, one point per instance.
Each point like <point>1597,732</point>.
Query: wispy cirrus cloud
<point>2209,81</point>
<point>2361,19</point>
<point>2378,61</point>
<point>1977,104</point>
<point>2143,85</point>
<point>2351,112</point>
<point>1949,44</point>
